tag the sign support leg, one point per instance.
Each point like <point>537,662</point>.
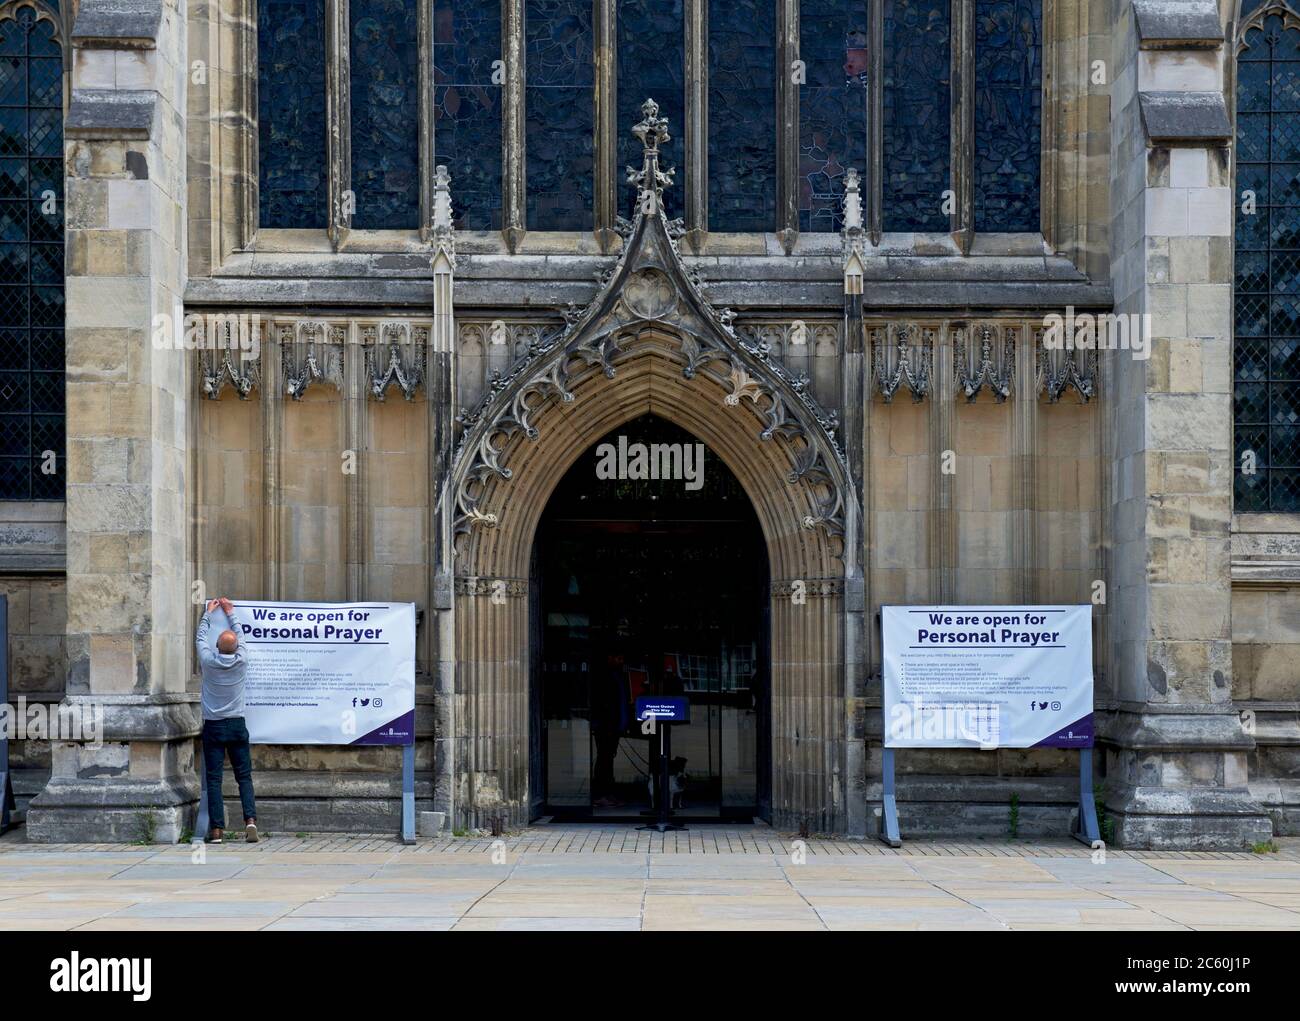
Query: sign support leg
<point>7,803</point>
<point>202,821</point>
<point>408,794</point>
<point>1088,831</point>
<point>889,802</point>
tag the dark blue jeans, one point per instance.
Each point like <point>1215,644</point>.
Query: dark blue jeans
<point>219,738</point>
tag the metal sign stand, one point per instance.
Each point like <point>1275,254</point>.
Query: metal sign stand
<point>664,822</point>
<point>408,793</point>
<point>1087,831</point>
<point>7,803</point>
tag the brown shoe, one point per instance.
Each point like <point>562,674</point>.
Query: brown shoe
<point>214,837</point>
<point>250,833</point>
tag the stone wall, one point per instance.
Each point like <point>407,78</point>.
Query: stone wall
<point>1043,501</point>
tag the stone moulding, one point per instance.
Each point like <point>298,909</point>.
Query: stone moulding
<point>313,350</point>
<point>649,291</point>
<point>117,24</point>
<point>407,349</point>
<point>992,368</point>
<point>807,588</point>
<point>225,365</point>
<point>1059,369</point>
<point>1190,118</point>
<point>1177,24</point>
<point>303,348</point>
<point>502,588</point>
<point>902,355</point>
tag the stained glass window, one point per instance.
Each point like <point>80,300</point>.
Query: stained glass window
<point>293,169</point>
<point>1266,351</point>
<point>559,103</point>
<point>834,46</point>
<point>467,108</point>
<point>385,86</point>
<point>31,259</point>
<point>651,65</point>
<point>917,129</point>
<point>1008,114</point>
<point>742,115</point>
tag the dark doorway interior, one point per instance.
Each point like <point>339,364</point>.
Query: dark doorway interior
<point>649,586</point>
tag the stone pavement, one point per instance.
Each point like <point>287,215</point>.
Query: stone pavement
<point>614,877</point>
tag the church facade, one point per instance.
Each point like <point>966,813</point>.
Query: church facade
<point>965,301</point>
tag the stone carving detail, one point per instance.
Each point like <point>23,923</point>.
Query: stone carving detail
<point>1065,367</point>
<point>854,234</point>
<point>993,367</point>
<point>302,349</point>
<point>395,355</point>
<point>444,234</point>
<point>225,364</point>
<point>902,355</point>
<point>649,294</point>
<point>810,588</point>
<point>650,282</point>
<point>503,588</point>
<point>785,337</point>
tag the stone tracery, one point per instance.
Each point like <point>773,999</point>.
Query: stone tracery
<point>651,286</point>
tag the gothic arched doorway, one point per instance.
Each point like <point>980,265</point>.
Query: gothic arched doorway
<point>651,343</point>
<point>649,577</point>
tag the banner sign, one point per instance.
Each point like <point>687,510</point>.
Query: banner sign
<point>987,676</point>
<point>331,673</point>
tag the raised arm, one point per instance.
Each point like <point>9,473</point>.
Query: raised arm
<point>241,650</point>
<point>206,655</point>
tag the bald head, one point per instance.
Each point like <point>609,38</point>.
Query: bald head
<point>227,642</point>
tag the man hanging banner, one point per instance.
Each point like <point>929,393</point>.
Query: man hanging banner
<point>329,673</point>
<point>987,676</point>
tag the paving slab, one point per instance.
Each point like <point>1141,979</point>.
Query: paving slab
<point>610,878</point>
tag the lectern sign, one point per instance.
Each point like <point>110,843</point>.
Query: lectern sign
<point>987,676</point>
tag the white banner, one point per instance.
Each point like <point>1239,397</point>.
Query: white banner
<point>329,673</point>
<point>987,676</point>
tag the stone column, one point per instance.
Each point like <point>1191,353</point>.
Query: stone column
<point>1175,749</point>
<point>130,616</point>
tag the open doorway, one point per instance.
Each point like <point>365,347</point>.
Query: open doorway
<point>650,577</point>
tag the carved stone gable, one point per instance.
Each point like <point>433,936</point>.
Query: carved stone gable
<point>650,291</point>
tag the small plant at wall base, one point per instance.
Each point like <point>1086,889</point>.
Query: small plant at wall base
<point>1013,822</point>
<point>1265,847</point>
<point>1105,823</point>
<point>146,826</point>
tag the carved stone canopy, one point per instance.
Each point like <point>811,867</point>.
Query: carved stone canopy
<point>651,290</point>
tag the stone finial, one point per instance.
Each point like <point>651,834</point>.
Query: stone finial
<point>653,129</point>
<point>650,181</point>
<point>441,200</point>
<point>854,233</point>
<point>852,201</point>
